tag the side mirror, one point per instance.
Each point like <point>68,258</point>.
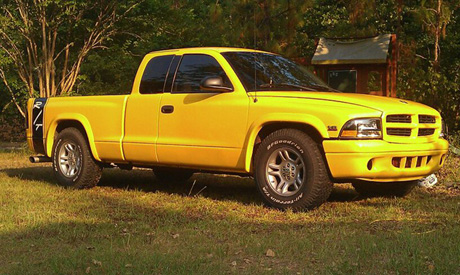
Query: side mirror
<point>214,84</point>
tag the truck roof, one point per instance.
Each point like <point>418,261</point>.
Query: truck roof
<point>207,49</point>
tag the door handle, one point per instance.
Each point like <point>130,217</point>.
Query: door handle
<point>167,109</point>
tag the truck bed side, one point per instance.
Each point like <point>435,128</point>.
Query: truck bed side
<point>101,116</point>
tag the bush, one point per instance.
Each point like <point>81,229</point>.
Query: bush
<point>12,129</point>
<point>449,175</point>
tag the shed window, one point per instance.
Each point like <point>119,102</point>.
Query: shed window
<point>374,82</point>
<point>343,80</point>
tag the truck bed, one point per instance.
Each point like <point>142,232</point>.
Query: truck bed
<point>103,116</point>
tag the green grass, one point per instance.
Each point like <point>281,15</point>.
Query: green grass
<point>132,224</point>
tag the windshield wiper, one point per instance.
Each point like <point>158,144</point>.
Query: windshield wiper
<point>325,88</point>
<point>274,85</point>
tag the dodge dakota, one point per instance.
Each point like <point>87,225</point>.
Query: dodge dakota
<point>240,111</point>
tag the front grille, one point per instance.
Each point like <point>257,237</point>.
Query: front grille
<point>425,132</point>
<point>414,127</point>
<point>426,119</point>
<point>404,132</point>
<point>399,119</point>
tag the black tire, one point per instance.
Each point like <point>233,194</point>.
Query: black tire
<point>168,174</point>
<point>310,189</point>
<point>384,189</point>
<point>87,172</point>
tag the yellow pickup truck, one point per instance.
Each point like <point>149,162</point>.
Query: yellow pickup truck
<point>240,111</point>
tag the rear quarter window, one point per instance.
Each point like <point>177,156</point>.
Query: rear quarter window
<point>155,73</point>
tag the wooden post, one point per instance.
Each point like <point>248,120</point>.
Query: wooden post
<point>394,64</point>
<point>387,87</point>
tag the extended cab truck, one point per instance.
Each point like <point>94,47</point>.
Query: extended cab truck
<point>240,111</point>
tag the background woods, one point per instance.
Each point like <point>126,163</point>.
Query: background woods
<point>54,47</point>
<point>44,43</point>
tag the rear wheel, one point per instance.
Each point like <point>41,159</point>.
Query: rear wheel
<point>168,174</point>
<point>73,163</point>
<point>290,171</point>
<point>384,189</point>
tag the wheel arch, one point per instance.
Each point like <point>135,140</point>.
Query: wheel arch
<point>310,125</point>
<point>70,120</point>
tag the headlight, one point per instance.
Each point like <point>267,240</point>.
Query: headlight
<point>362,128</point>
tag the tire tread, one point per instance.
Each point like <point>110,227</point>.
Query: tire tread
<point>91,171</point>
<point>322,186</point>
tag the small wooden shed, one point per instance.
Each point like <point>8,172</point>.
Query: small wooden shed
<point>358,65</point>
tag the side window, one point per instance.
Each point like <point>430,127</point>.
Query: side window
<point>194,68</point>
<point>154,75</point>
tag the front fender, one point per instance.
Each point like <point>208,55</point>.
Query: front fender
<point>51,132</point>
<point>257,125</point>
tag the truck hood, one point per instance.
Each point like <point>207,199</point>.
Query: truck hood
<point>379,103</point>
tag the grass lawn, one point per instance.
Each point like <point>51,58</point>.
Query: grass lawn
<point>133,224</point>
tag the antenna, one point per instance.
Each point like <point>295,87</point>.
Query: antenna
<point>255,57</point>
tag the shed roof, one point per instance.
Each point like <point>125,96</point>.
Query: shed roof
<point>363,51</point>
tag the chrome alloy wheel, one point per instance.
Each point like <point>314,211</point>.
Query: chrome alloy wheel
<point>70,159</point>
<point>285,171</point>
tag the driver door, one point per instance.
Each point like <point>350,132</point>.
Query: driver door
<point>198,128</point>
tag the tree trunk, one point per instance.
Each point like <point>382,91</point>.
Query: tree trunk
<point>437,33</point>
<point>33,37</point>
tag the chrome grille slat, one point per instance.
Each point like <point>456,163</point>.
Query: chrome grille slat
<point>405,132</point>
<point>422,132</point>
<point>426,119</point>
<point>399,119</point>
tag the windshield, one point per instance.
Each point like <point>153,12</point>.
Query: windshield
<point>265,72</point>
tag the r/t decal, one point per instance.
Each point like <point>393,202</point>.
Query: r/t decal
<point>38,112</point>
<point>38,125</point>
<point>38,105</point>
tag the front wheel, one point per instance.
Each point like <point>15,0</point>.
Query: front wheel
<point>290,171</point>
<point>73,163</point>
<point>384,189</point>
